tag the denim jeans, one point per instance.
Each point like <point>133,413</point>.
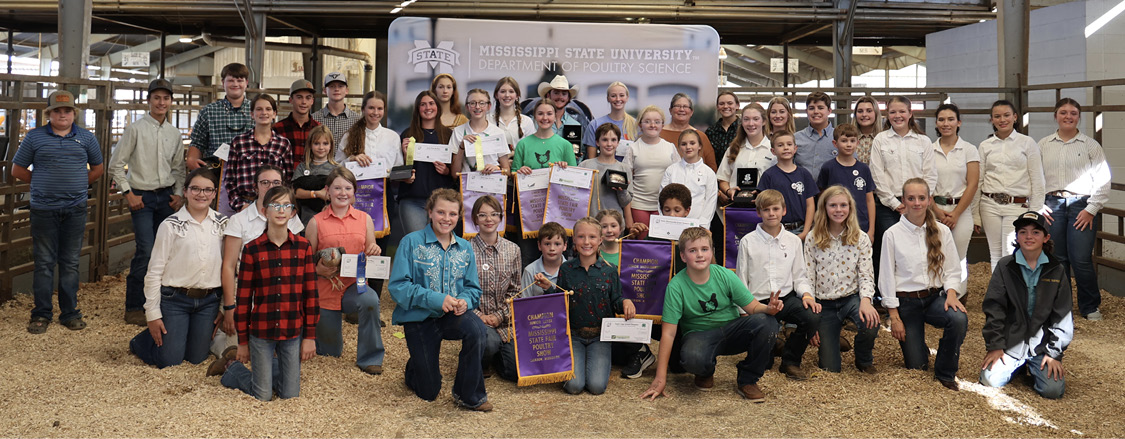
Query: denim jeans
<point>239,377</point>
<point>753,334</point>
<point>369,343</point>
<point>412,213</point>
<point>807,322</point>
<point>1001,373</point>
<point>833,313</point>
<point>591,366</point>
<point>423,371</point>
<point>1075,249</point>
<point>915,314</point>
<point>500,355</point>
<point>288,367</point>
<point>145,222</point>
<point>56,237</point>
<point>189,323</point>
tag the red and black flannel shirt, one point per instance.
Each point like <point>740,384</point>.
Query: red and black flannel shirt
<point>277,298</point>
<point>297,135</point>
<point>246,156</point>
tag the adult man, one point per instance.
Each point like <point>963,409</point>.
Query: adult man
<point>153,150</point>
<point>218,123</point>
<point>297,125</point>
<point>336,115</point>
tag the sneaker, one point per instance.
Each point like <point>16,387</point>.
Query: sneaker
<point>373,369</point>
<point>1095,316</point>
<point>705,383</point>
<point>951,385</point>
<point>75,324</point>
<point>136,317</point>
<point>794,372</point>
<point>483,407</point>
<point>638,363</point>
<point>220,365</point>
<point>751,392</point>
<point>38,325</point>
<point>867,369</point>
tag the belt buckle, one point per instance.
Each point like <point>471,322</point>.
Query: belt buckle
<point>1002,198</point>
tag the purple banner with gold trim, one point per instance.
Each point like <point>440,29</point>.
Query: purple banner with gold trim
<point>737,222</point>
<point>371,197</point>
<point>541,331</point>
<point>645,270</point>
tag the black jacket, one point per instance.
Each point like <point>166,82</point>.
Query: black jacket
<point>1007,325</point>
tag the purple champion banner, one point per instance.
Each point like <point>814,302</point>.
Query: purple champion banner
<point>737,222</point>
<point>371,197</point>
<point>645,270</point>
<point>469,198</point>
<point>532,203</point>
<point>541,331</point>
<point>567,204</point>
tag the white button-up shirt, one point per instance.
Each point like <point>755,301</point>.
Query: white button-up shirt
<point>1077,165</point>
<point>456,142</point>
<point>250,224</point>
<point>840,270</point>
<point>186,254</point>
<point>895,159</point>
<point>512,128</point>
<point>380,144</point>
<point>768,264</point>
<point>154,153</point>
<point>749,156</point>
<point>700,180</point>
<point>1013,166</point>
<point>904,266</point>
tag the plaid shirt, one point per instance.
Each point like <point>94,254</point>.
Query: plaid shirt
<point>338,124</point>
<point>218,123</point>
<point>297,135</point>
<point>246,156</point>
<point>499,269</point>
<point>277,297</point>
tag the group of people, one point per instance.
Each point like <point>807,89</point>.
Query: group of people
<point>264,265</point>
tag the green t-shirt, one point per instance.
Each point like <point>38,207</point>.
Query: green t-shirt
<point>537,153</point>
<point>697,307</point>
<point>612,258</point>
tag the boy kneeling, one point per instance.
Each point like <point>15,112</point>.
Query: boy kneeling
<point>1028,312</point>
<point>700,298</point>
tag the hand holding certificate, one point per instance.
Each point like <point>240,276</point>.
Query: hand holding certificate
<point>630,331</point>
<point>489,183</point>
<point>670,227</point>
<point>377,169</point>
<point>432,152</point>
<point>489,145</point>
<point>378,267</point>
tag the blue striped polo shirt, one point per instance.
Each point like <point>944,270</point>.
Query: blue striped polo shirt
<point>60,178</point>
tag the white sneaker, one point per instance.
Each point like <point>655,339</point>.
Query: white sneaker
<point>1095,316</point>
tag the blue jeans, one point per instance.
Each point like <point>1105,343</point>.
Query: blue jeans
<point>915,313</point>
<point>591,365</point>
<point>753,334</point>
<point>500,355</point>
<point>412,213</point>
<point>369,343</point>
<point>807,322</point>
<point>145,222</point>
<point>288,367</point>
<point>423,341</point>
<point>239,377</point>
<point>833,313</point>
<point>56,237</point>
<point>189,323</point>
<point>1075,249</point>
<point>1001,373</point>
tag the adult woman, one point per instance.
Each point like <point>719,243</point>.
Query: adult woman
<point>868,119</point>
<point>1077,183</point>
<point>958,168</point>
<point>681,110</point>
<point>1011,180</point>
<point>723,131</point>
<point>444,87</point>
<point>780,116</point>
<point>413,193</point>
<point>507,116</point>
<point>750,149</point>
<point>477,101</point>
<point>617,94</point>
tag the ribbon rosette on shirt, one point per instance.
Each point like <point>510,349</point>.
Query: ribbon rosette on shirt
<point>645,270</point>
<point>568,196</point>
<point>541,331</point>
<point>371,194</point>
<point>737,222</point>
<point>475,185</point>
<point>531,192</point>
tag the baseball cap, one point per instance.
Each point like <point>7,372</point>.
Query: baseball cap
<point>1030,217</point>
<point>160,84</point>
<point>301,84</point>
<point>335,76</point>
<point>60,99</point>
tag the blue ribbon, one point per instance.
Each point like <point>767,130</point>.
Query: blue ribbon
<point>361,274</point>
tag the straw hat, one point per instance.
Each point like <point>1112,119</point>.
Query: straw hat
<point>559,83</point>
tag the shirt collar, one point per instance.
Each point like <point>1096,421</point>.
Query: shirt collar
<point>293,121</point>
<point>1054,137</point>
<point>765,236</point>
<point>911,227</point>
<point>73,131</point>
<point>352,213</point>
<point>1020,259</point>
<point>812,131</point>
<point>431,237</point>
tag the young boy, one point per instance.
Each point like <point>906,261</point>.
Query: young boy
<point>701,303</point>
<point>336,115</point>
<point>691,172</point>
<point>814,143</point>
<point>153,150</point>
<point>1028,312</point>
<point>277,308</point>
<point>60,152</point>
<point>297,125</point>
<point>772,266</point>
<point>552,244</point>
<point>852,174</point>
<point>218,123</point>
<point>796,185</point>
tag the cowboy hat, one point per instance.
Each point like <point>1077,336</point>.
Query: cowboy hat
<point>559,83</point>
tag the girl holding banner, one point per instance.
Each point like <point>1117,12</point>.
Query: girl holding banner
<point>477,156</point>
<point>597,295</point>
<point>428,177</point>
<point>648,157</point>
<point>342,225</point>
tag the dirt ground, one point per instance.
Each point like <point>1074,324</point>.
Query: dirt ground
<point>87,384</point>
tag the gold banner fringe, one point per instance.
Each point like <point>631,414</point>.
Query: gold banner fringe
<point>549,378</point>
<point>656,320</point>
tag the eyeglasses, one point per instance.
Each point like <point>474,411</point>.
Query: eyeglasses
<point>281,207</point>
<point>494,215</point>
<point>651,122</point>
<point>269,183</point>
<point>681,107</point>
<point>196,190</point>
<point>479,104</point>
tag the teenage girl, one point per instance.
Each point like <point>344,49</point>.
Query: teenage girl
<point>780,116</point>
<point>617,94</point>
<point>425,127</point>
<point>445,88</point>
<point>749,149</point>
<point>544,147</point>
<point>958,168</point>
<point>507,116</point>
<point>478,126</point>
<point>868,119</point>
<point>648,158</point>
<point>368,140</point>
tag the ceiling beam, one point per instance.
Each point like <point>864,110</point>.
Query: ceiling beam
<point>52,51</point>
<point>803,31</point>
<point>147,46</point>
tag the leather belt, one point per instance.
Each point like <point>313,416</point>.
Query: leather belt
<point>1065,194</point>
<point>589,332</point>
<point>1005,198</point>
<point>920,294</point>
<point>946,201</point>
<point>195,293</point>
